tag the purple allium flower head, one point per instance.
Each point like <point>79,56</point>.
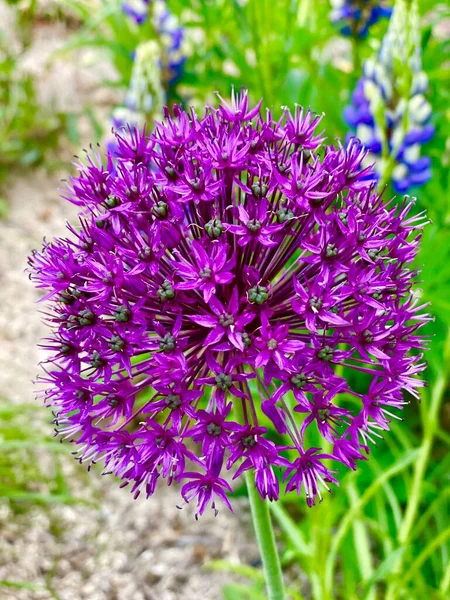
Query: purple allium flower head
<point>221,270</point>
<point>355,17</point>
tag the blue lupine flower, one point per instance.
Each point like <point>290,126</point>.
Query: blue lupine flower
<point>355,17</point>
<point>389,113</point>
<point>169,31</point>
<point>145,97</point>
<point>137,10</point>
<point>171,35</point>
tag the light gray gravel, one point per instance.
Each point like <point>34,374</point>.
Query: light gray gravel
<point>117,548</point>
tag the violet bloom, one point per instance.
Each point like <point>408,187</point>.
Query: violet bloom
<point>389,112</point>
<point>355,17</point>
<point>137,10</point>
<point>174,345</point>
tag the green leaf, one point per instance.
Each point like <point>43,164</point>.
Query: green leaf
<point>384,569</point>
<point>291,529</point>
<point>236,591</point>
<point>237,568</point>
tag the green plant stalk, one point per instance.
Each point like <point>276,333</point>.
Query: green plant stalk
<point>430,426</point>
<point>266,541</point>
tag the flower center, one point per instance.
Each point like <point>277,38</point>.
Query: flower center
<point>160,210</point>
<point>214,228</point>
<point>166,291</point>
<point>249,441</point>
<point>122,314</point>
<point>272,344</point>
<point>167,343</point>
<point>326,353</point>
<point>226,319</point>
<point>299,380</point>
<point>253,225</point>
<point>173,401</point>
<point>214,430</point>
<point>116,343</point>
<point>257,294</point>
<point>315,303</point>
<point>205,273</point>
<point>223,381</point>
<point>113,400</point>
<point>323,413</point>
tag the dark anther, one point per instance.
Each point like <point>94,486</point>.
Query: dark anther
<point>226,320</point>
<point>257,294</point>
<point>86,317</point>
<point>248,442</point>
<point>166,291</point>
<point>96,360</point>
<point>284,214</point>
<point>122,314</point>
<point>173,401</point>
<point>167,343</point>
<point>214,228</point>
<point>253,225</point>
<point>223,381</point>
<point>160,210</point>
<point>326,353</point>
<point>116,343</point>
<point>112,201</point>
<point>214,430</point>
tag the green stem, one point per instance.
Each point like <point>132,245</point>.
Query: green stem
<point>266,541</point>
<point>430,426</point>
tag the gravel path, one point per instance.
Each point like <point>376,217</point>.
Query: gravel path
<point>116,548</point>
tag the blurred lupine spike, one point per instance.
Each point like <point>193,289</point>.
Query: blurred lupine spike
<point>146,95</point>
<point>172,39</point>
<point>193,331</point>
<point>355,17</point>
<point>137,9</point>
<point>158,65</point>
<point>389,113</point>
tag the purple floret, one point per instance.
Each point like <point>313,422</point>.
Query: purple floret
<point>222,269</point>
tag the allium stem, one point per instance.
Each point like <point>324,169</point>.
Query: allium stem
<point>266,541</point>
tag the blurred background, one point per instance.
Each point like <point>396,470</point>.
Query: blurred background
<point>70,72</point>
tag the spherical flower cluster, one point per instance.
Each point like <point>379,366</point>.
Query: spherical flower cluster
<point>237,297</point>
<point>355,17</point>
<point>389,112</point>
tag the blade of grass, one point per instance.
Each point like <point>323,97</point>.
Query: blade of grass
<point>397,468</point>
<point>290,529</point>
<point>361,541</point>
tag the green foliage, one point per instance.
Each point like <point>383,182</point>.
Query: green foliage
<point>27,130</point>
<point>30,461</point>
